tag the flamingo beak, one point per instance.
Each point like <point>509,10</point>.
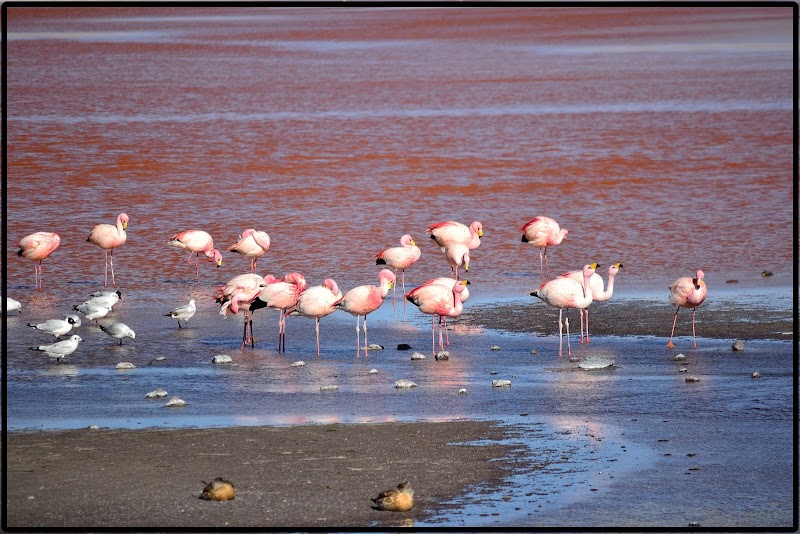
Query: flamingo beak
<point>412,243</point>
<point>219,263</point>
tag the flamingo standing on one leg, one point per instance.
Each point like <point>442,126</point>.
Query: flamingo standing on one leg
<point>317,302</point>
<point>252,244</point>
<point>457,255</point>
<point>449,231</point>
<point>566,293</point>
<point>401,258</point>
<point>687,292</point>
<point>363,300</point>
<point>108,237</point>
<point>543,232</point>
<point>237,294</point>
<point>281,294</point>
<point>439,301</point>
<point>37,247</point>
<point>197,241</point>
<point>598,294</point>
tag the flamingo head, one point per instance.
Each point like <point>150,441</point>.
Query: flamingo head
<point>477,228</point>
<point>407,240</point>
<point>614,269</point>
<point>217,257</point>
<point>123,218</point>
<point>466,261</point>
<point>387,275</point>
<point>297,279</point>
<point>330,283</point>
<point>588,270</point>
<point>460,286</point>
<point>698,282</point>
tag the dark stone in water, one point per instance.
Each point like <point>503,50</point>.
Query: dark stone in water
<point>734,281</point>
<point>766,273</point>
<point>403,346</point>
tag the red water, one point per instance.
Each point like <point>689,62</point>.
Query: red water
<point>659,137</point>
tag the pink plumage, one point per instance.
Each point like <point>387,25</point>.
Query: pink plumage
<point>363,300</point>
<point>237,294</point>
<point>197,241</point>
<point>253,244</point>
<point>37,247</point>
<point>689,293</point>
<point>317,302</point>
<point>452,231</point>
<point>108,237</point>
<point>598,293</point>
<point>400,258</point>
<point>440,301</point>
<point>281,294</point>
<point>543,232</point>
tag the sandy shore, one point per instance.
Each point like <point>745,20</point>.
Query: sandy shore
<point>305,476</point>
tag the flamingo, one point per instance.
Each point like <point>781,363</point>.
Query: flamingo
<point>281,294</point>
<point>401,258</point>
<point>363,300</point>
<point>317,302</point>
<point>108,237</point>
<point>457,254</point>
<point>252,244</point>
<point>438,300</point>
<point>197,241</point>
<point>449,283</point>
<point>543,232</point>
<point>37,247</point>
<point>687,292</point>
<point>449,231</point>
<point>598,294</point>
<point>566,293</point>
<point>237,294</point>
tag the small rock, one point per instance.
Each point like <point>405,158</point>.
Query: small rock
<point>534,351</point>
<point>692,379</point>
<point>373,372</point>
<point>417,356</point>
<point>222,358</point>
<point>160,358</point>
<point>443,355</point>
<point>680,357</point>
<point>493,372</point>
<point>404,383</point>
<point>731,281</point>
<point>756,374</point>
<point>595,362</point>
<point>766,273</point>
<point>462,391</point>
<point>329,388</point>
<point>574,359</point>
<point>738,345</point>
<point>93,427</point>
<point>501,383</point>
<point>403,346</point>
<point>682,370</point>
<point>694,524</point>
<point>125,365</point>
<point>156,394</point>
<point>300,363</point>
<point>374,346</point>
<point>494,347</point>
<point>176,402</point>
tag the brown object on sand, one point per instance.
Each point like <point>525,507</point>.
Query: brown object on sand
<point>400,499</point>
<point>218,490</point>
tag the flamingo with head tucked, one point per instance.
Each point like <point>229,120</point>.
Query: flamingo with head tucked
<point>280,294</point>
<point>108,237</point>
<point>37,247</point>
<point>252,244</point>
<point>457,255</point>
<point>439,301</point>
<point>400,258</point>
<point>317,302</point>
<point>543,232</point>
<point>566,293</point>
<point>450,231</point>
<point>687,292</point>
<point>598,293</point>
<point>237,294</point>
<point>197,241</point>
<point>363,300</point>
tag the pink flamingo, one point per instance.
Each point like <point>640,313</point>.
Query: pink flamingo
<point>566,293</point>
<point>237,294</point>
<point>37,247</point>
<point>457,255</point>
<point>252,244</point>
<point>687,292</point>
<point>401,258</point>
<point>598,293</point>
<point>363,300</point>
<point>197,241</point>
<point>281,294</point>
<point>449,231</point>
<point>438,301</point>
<point>317,302</point>
<point>108,237</point>
<point>449,283</point>
<point>543,232</point>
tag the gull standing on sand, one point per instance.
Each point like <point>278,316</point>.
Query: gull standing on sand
<point>281,294</point>
<point>237,294</point>
<point>197,241</point>
<point>687,292</point>
<point>252,244</point>
<point>104,298</point>
<point>543,232</point>
<point>401,258</point>
<point>438,301</point>
<point>37,247</point>
<point>566,293</point>
<point>58,327</point>
<point>13,305</point>
<point>363,300</point>
<point>118,331</point>
<point>598,294</point>
<point>92,310</point>
<point>317,302</point>
<point>60,349</point>
<point>183,313</point>
<point>108,237</point>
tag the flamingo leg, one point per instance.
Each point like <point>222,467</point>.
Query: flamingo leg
<point>280,329</point>
<point>674,320</point>
<point>441,347</point>
<point>694,338</point>
<point>366,347</point>
<point>105,279</point>
<point>197,267</point>
<point>37,272</point>
<point>111,261</point>
<point>580,313</point>
<point>403,278</point>
<point>546,267</point>
<point>560,332</point>
<point>541,264</point>
<point>433,337</point>
<point>446,337</point>
<point>566,321</point>
<point>587,325</point>
<point>358,337</point>
<point>317,328</point>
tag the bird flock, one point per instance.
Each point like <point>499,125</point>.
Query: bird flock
<point>441,298</point>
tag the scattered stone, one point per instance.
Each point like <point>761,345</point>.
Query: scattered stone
<point>404,383</point>
<point>417,356</point>
<point>734,281</point>
<point>374,346</point>
<point>462,391</point>
<point>574,359</point>
<point>125,365</point>
<point>329,388</point>
<point>299,363</point>
<point>694,524</point>
<point>176,402</point>
<point>692,379</point>
<point>738,345</point>
<point>493,372</point>
<point>222,358</point>
<point>403,346</point>
<point>756,374</point>
<point>494,347</point>
<point>160,358</point>
<point>501,383</point>
<point>766,273</point>
<point>682,370</point>
<point>595,362</point>
<point>534,351</point>
<point>680,357</point>
<point>156,394</point>
<point>373,372</point>
<point>93,427</point>
<point>442,355</point>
